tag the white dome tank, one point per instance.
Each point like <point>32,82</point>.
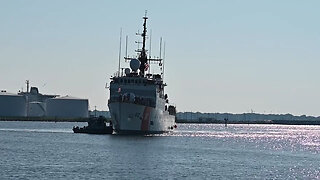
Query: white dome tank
<point>12,105</point>
<point>67,107</point>
<point>36,109</point>
<point>134,64</point>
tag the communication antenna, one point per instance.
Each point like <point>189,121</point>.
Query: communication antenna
<point>160,46</point>
<point>164,56</point>
<point>150,44</point>
<point>126,45</point>
<point>150,52</point>
<point>27,82</point>
<point>120,52</point>
<point>144,58</point>
<point>138,42</point>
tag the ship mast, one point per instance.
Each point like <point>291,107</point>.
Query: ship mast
<point>143,55</point>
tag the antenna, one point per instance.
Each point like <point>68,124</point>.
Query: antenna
<point>164,56</point>
<point>144,58</point>
<point>120,51</point>
<point>150,51</point>
<point>27,82</point>
<point>160,46</point>
<point>150,44</point>
<point>138,42</point>
<point>126,45</point>
<point>143,55</point>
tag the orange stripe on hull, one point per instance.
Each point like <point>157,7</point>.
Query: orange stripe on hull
<point>146,119</point>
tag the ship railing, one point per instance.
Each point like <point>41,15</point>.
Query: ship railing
<point>137,100</point>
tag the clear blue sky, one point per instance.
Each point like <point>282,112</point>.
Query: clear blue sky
<point>221,56</point>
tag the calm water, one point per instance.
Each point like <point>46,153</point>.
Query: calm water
<point>42,150</point>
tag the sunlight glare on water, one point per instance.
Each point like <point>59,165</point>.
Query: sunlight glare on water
<point>43,150</point>
<point>274,136</point>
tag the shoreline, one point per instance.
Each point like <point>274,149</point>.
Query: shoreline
<point>283,122</point>
<point>44,119</point>
<point>53,119</point>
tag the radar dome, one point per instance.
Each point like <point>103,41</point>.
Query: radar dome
<point>127,71</point>
<point>134,64</point>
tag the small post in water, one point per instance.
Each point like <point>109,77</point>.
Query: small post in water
<point>225,122</point>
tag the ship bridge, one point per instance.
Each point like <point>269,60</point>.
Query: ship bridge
<point>136,84</point>
<point>137,89</point>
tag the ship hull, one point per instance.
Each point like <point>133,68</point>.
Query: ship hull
<point>130,118</point>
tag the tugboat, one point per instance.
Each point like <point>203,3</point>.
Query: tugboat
<point>95,126</point>
<point>137,103</point>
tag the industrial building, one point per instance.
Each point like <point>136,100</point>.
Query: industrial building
<point>34,96</point>
<point>36,109</point>
<point>67,107</point>
<point>12,105</point>
<point>34,104</point>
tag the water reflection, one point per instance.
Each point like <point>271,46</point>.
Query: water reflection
<point>291,137</point>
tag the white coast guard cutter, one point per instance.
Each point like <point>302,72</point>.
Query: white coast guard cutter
<point>137,101</point>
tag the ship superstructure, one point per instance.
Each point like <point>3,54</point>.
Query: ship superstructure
<point>137,101</point>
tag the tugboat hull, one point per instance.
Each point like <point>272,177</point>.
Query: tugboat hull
<point>107,130</point>
<point>95,126</point>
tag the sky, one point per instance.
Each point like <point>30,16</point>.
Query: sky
<point>221,56</point>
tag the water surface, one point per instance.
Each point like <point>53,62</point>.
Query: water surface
<point>43,150</point>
